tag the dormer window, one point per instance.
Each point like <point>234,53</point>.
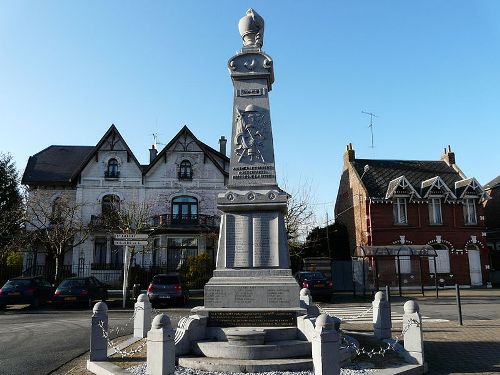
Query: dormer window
<point>185,170</point>
<point>112,169</point>
<point>435,216</point>
<point>399,211</point>
<point>470,217</point>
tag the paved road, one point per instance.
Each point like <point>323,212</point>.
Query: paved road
<point>38,342</point>
<point>477,304</point>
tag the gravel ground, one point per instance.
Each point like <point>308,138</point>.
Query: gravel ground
<point>355,369</point>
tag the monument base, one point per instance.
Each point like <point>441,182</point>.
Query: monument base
<point>252,289</point>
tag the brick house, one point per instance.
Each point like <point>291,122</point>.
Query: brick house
<point>492,216</point>
<point>182,180</point>
<point>413,222</point>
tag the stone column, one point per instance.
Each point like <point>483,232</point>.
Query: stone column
<point>161,347</point>
<point>99,343</point>
<point>412,329</point>
<point>326,346</point>
<point>381,317</point>
<point>142,316</point>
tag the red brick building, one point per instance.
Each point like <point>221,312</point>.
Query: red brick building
<point>492,216</point>
<point>413,222</point>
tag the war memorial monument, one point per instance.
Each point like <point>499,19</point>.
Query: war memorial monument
<point>252,302</point>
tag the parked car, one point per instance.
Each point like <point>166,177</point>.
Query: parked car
<point>167,287</point>
<point>34,291</point>
<point>80,291</point>
<point>317,283</point>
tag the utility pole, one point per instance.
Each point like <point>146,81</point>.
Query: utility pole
<point>328,238</point>
<point>372,115</point>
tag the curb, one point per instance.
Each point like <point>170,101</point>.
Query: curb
<point>108,368</point>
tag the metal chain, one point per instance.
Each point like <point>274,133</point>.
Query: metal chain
<point>120,329</point>
<point>323,311</point>
<point>117,350</point>
<point>382,350</point>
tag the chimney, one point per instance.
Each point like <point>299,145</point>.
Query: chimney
<point>152,153</point>
<point>448,156</point>
<point>350,154</point>
<point>222,144</point>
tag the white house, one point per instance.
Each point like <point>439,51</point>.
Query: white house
<point>181,184</point>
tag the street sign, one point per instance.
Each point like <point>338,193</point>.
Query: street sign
<point>130,236</point>
<point>130,243</point>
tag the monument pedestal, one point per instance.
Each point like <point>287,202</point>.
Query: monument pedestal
<point>251,298</point>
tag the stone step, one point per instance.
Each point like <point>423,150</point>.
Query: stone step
<point>246,365</point>
<point>270,350</point>
<point>272,333</point>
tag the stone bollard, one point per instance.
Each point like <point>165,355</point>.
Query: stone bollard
<point>412,329</point>
<point>306,302</point>
<point>161,347</point>
<point>326,346</point>
<point>381,317</point>
<point>142,316</point>
<point>305,298</point>
<point>99,343</point>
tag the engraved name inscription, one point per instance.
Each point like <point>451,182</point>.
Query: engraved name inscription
<point>254,172</point>
<point>250,92</point>
<point>245,296</point>
<point>251,319</point>
<point>213,296</point>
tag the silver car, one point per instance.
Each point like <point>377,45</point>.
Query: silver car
<point>166,288</point>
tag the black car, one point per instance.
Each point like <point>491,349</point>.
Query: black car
<point>33,291</point>
<point>167,287</point>
<point>316,282</point>
<point>80,291</point>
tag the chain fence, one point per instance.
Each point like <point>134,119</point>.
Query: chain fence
<point>121,330</point>
<point>349,344</point>
<point>391,346</point>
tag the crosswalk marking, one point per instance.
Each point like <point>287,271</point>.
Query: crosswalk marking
<point>363,314</point>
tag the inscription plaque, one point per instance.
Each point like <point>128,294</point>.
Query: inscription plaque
<point>242,241</point>
<point>251,319</point>
<point>230,240</point>
<point>263,254</point>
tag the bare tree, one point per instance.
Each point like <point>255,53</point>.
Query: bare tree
<point>299,218</point>
<point>55,222</point>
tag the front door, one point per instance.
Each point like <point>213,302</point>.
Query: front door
<point>476,278</point>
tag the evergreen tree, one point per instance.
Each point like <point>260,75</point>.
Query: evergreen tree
<point>11,206</point>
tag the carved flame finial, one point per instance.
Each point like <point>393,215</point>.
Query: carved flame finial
<point>251,29</point>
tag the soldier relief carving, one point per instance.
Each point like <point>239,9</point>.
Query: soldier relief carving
<point>250,134</point>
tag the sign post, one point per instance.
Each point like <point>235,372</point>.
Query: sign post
<point>128,239</point>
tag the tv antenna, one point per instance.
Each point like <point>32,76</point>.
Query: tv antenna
<point>156,141</point>
<point>372,115</point>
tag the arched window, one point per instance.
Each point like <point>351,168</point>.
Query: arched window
<point>110,204</point>
<point>442,259</point>
<point>185,170</point>
<point>184,210</point>
<point>112,170</point>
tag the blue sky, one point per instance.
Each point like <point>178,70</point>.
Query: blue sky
<point>429,69</point>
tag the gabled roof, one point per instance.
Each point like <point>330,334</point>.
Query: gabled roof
<point>114,136</point>
<point>381,172</point>
<point>402,183</point>
<point>209,152</point>
<point>493,183</point>
<point>55,165</point>
<point>436,183</point>
<point>467,185</point>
